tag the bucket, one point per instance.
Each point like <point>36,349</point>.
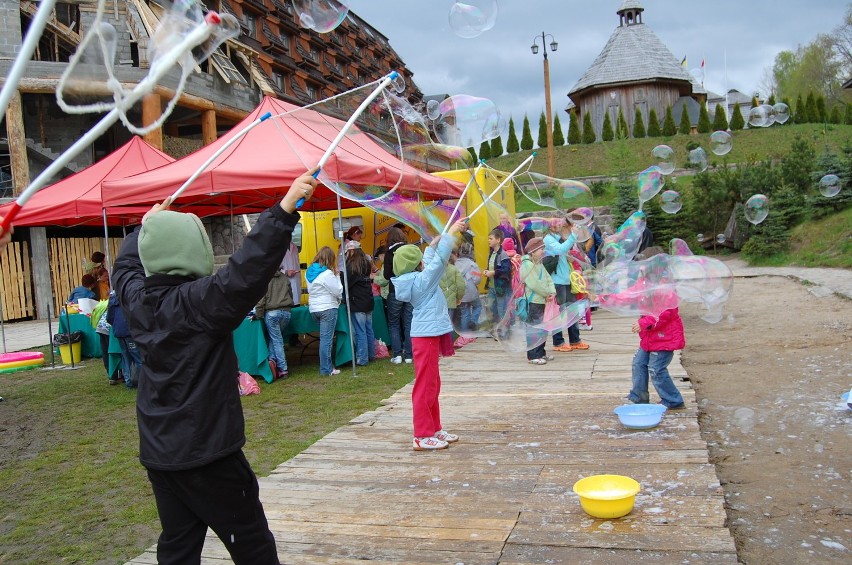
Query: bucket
<point>69,345</point>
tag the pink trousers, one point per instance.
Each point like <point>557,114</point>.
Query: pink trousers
<point>427,386</point>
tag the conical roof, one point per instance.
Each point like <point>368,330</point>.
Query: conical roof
<point>633,53</point>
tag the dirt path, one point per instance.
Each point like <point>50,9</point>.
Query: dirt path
<point>768,380</point>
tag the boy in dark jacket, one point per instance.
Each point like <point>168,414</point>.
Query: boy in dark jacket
<point>191,427</point>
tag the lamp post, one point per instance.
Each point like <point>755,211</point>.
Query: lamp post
<point>548,117</point>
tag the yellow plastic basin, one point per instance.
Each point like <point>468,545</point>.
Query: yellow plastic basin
<point>607,496</point>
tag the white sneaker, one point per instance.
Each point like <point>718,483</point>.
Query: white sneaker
<point>396,360</point>
<point>409,361</point>
<point>585,327</point>
<point>428,443</point>
<point>446,436</point>
<point>335,371</point>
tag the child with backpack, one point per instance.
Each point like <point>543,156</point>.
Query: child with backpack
<point>538,287</point>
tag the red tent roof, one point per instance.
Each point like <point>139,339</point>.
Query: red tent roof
<point>257,170</point>
<point>76,200</point>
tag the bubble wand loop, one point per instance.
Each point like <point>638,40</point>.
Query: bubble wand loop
<point>382,85</point>
<point>461,198</point>
<point>196,37</point>
<point>499,186</point>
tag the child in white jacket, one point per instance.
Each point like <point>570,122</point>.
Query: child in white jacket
<point>324,295</point>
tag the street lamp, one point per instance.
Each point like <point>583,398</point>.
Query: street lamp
<point>549,117</point>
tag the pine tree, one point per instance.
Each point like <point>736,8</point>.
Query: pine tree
<point>472,152</point>
<point>828,163</point>
<point>526,136</point>
<point>737,121</point>
<point>755,102</point>
<point>485,150</point>
<point>558,136</point>
<point>574,128</point>
<point>811,111</point>
<point>720,122</point>
<point>801,114</point>
<point>512,145</point>
<point>835,117</point>
<point>638,124</point>
<point>621,130</point>
<point>847,117</point>
<point>589,135</point>
<point>542,131</point>
<point>685,123</point>
<point>669,127</point>
<point>654,124</point>
<point>822,112</point>
<point>606,131</point>
<point>626,199</point>
<point>703,119</point>
<point>771,100</point>
<point>496,147</point>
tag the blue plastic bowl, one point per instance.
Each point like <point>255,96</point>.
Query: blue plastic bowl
<point>846,399</point>
<point>640,416</point>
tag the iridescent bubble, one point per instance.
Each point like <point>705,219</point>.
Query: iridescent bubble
<point>624,243</point>
<point>582,216</point>
<point>670,202</point>
<point>829,186</point>
<point>581,233</point>
<point>649,183</point>
<point>721,142</point>
<point>770,114</point>
<point>698,159</point>
<point>433,109</point>
<point>782,113</point>
<point>699,237</point>
<point>758,117</point>
<point>756,208</point>
<point>720,238</point>
<point>467,121</point>
<point>679,247</point>
<point>664,156</point>
<point>321,16</point>
<point>549,192</point>
<point>398,83</point>
<point>473,17</point>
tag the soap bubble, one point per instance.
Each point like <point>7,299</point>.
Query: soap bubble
<point>398,83</point>
<point>829,186</point>
<point>582,216</point>
<point>322,16</point>
<point>720,142</point>
<point>782,113</point>
<point>473,17</point>
<point>467,121</point>
<point>756,208</point>
<point>758,117</point>
<point>664,156</point>
<point>679,247</point>
<point>720,238</point>
<point>649,183</point>
<point>698,159</point>
<point>670,202</point>
<point>699,237</point>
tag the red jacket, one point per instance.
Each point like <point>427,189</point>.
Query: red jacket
<point>662,334</point>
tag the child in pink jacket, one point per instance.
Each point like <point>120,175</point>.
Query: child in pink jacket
<point>659,338</point>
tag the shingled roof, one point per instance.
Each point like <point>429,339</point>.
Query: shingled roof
<point>633,54</point>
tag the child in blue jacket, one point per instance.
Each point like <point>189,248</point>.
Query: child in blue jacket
<point>417,281</point>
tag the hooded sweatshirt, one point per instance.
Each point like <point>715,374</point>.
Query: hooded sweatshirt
<point>472,275</point>
<point>324,288</point>
<point>422,289</point>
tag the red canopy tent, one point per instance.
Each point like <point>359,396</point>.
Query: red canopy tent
<point>76,200</point>
<point>257,170</point>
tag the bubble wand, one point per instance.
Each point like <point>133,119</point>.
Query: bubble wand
<point>382,85</point>
<point>461,198</point>
<point>193,39</point>
<point>499,186</point>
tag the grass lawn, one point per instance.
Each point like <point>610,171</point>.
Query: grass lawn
<point>72,487</point>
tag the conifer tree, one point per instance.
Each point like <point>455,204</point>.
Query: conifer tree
<point>737,121</point>
<point>801,114</point>
<point>669,127</point>
<point>703,119</point>
<point>606,131</point>
<point>835,115</point>
<point>755,102</point>
<point>621,128</point>
<point>811,112</point>
<point>485,150</point>
<point>822,112</point>
<point>720,121</point>
<point>512,145</point>
<point>526,136</point>
<point>638,124</point>
<point>685,123</point>
<point>574,128</point>
<point>653,124</point>
<point>558,136</point>
<point>589,135</point>
<point>542,131</point>
<point>771,100</point>
<point>847,118</point>
<point>496,147</point>
<point>472,152</point>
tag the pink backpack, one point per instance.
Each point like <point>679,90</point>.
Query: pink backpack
<point>247,384</point>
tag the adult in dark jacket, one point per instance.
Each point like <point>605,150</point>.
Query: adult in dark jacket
<point>131,361</point>
<point>399,313</point>
<point>191,427</point>
<point>360,293</point>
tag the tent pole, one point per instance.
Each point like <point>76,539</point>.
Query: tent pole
<point>231,210</point>
<point>345,281</point>
<point>106,242</point>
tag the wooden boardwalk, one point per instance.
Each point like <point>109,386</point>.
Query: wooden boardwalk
<point>503,493</point>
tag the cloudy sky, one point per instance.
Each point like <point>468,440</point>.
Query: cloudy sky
<point>499,65</point>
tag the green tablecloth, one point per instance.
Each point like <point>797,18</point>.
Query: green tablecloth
<point>91,344</point>
<point>251,348</point>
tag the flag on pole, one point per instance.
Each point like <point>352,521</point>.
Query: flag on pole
<point>702,71</point>
<point>683,62</point>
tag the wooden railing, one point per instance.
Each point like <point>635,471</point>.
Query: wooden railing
<point>16,286</point>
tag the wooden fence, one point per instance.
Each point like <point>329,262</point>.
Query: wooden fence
<point>16,288</point>
<point>68,260</point>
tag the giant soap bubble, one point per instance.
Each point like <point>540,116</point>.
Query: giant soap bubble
<point>756,208</point>
<point>649,183</point>
<point>471,18</point>
<point>829,186</point>
<point>322,16</point>
<point>664,158</point>
<point>670,202</point>
<point>720,143</point>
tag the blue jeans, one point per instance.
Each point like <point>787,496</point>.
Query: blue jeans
<point>498,308</point>
<point>326,319</point>
<point>399,326</point>
<point>276,321</point>
<point>654,364</point>
<point>365,340</point>
<point>469,313</point>
<point>131,360</point>
<point>564,296</point>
